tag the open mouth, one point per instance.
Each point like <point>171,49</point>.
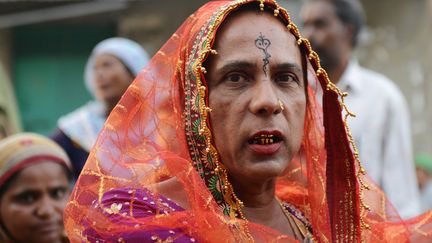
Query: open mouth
<point>266,138</point>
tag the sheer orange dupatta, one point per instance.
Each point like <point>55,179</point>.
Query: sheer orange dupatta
<point>160,129</point>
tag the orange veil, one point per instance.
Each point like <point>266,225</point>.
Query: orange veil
<point>161,129</point>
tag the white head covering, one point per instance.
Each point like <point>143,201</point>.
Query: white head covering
<point>130,53</point>
<point>84,124</point>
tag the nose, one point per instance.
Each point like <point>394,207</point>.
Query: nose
<point>264,100</point>
<point>97,74</point>
<point>45,209</point>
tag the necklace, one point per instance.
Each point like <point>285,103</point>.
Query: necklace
<point>295,223</point>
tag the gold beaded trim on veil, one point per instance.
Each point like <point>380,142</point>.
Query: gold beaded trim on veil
<point>229,196</point>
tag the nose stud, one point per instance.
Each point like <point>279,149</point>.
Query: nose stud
<point>281,105</point>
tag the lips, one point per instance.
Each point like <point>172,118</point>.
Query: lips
<point>265,142</point>
<point>48,228</point>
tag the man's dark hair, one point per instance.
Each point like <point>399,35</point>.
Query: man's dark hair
<point>350,12</point>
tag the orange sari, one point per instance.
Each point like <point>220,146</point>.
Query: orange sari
<point>161,129</point>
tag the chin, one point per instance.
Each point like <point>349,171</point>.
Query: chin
<point>266,170</point>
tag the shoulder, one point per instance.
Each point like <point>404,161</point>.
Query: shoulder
<point>66,142</point>
<point>90,110</point>
<point>382,86</point>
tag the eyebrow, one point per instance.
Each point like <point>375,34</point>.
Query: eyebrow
<point>237,65</point>
<point>248,65</point>
<point>287,65</point>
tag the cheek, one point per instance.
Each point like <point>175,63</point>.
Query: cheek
<point>16,218</point>
<point>297,117</point>
<point>223,122</point>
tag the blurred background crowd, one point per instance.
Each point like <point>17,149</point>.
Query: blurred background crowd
<point>45,46</point>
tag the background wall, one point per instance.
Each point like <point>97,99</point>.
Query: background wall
<point>396,43</point>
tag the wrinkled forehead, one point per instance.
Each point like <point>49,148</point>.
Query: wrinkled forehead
<point>248,33</point>
<point>249,23</point>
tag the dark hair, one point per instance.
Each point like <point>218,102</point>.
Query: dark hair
<point>350,12</point>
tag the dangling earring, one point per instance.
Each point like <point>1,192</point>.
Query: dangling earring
<point>281,105</point>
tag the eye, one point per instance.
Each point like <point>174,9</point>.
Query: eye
<point>286,78</point>
<point>26,198</point>
<point>236,78</point>
<point>58,193</point>
<point>321,23</point>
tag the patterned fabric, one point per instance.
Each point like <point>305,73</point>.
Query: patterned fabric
<point>159,137</point>
<point>25,149</point>
<point>117,203</point>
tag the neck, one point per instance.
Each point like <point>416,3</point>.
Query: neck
<point>262,207</point>
<point>255,194</point>
<point>337,71</point>
<point>259,200</point>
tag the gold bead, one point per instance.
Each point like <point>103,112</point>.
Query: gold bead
<point>261,6</point>
<point>207,149</point>
<point>213,52</point>
<point>202,88</point>
<point>201,131</point>
<point>320,71</point>
<point>203,70</point>
<point>299,41</point>
<point>289,26</point>
<point>208,109</point>
<point>276,12</point>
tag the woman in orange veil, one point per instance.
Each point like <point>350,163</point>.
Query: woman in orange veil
<point>159,170</point>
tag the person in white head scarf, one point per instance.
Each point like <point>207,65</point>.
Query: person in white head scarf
<point>111,67</point>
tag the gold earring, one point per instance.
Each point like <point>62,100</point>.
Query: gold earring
<point>281,105</point>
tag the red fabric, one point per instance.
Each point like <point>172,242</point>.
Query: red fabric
<point>160,131</point>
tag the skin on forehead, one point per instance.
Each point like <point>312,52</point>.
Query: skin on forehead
<point>248,25</point>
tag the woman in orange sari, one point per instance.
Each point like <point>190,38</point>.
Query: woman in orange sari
<point>220,138</point>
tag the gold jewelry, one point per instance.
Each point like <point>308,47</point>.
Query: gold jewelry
<point>281,105</point>
<point>297,224</point>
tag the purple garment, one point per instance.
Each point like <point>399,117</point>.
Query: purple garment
<point>144,205</point>
<point>116,203</point>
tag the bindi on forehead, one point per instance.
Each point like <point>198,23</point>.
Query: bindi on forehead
<point>263,43</point>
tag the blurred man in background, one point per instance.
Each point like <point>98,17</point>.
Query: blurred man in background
<point>381,129</point>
